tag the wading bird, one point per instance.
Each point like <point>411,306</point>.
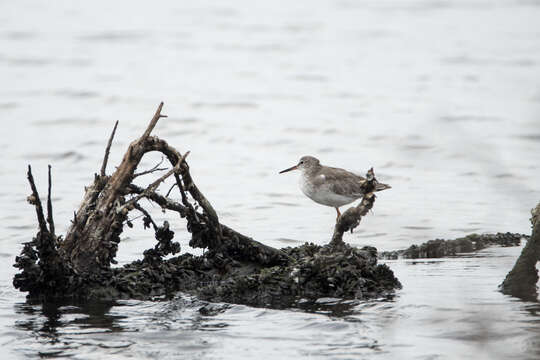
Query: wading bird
<point>330,186</point>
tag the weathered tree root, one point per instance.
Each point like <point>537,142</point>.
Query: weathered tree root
<point>439,248</point>
<point>235,268</point>
<point>522,279</point>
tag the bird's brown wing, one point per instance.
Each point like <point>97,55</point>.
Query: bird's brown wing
<point>341,182</point>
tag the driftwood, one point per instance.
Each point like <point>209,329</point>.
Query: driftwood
<point>522,279</point>
<point>235,268</point>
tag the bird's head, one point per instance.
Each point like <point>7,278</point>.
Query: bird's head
<point>305,163</point>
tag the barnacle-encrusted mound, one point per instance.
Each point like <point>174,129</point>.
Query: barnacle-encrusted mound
<point>442,248</point>
<point>311,272</point>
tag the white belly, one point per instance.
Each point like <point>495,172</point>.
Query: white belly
<point>323,195</point>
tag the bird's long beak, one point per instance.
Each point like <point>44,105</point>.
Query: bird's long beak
<point>289,169</point>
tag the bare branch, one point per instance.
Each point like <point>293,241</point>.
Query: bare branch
<point>182,191</point>
<point>172,187</point>
<point>36,201</point>
<point>155,168</point>
<point>238,245</point>
<point>153,186</point>
<point>147,215</point>
<point>108,149</point>
<point>148,172</point>
<point>162,201</point>
<point>153,122</point>
<point>172,154</point>
<point>50,219</point>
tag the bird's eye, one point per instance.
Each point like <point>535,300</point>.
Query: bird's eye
<point>301,162</point>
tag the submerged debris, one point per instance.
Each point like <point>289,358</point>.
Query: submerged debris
<point>442,248</point>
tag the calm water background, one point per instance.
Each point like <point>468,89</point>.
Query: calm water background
<point>442,98</point>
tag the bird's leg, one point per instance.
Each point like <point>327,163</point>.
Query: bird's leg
<point>338,214</point>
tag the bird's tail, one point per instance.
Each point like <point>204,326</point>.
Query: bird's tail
<point>381,187</point>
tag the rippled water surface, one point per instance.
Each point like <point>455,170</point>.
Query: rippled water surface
<point>442,98</point>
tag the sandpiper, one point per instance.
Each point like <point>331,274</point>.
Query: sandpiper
<point>330,186</point>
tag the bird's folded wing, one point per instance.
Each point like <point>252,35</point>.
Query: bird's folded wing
<point>341,182</point>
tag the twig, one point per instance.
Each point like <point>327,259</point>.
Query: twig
<point>238,245</point>
<point>172,154</point>
<point>36,201</point>
<point>50,219</point>
<point>155,168</point>
<point>161,200</point>
<point>147,215</point>
<point>108,149</point>
<point>172,187</point>
<point>148,172</point>
<point>153,186</point>
<point>153,123</point>
<point>187,204</point>
<point>182,192</point>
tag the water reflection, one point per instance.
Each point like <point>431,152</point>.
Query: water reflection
<point>61,329</point>
<point>67,328</point>
<point>348,310</point>
<point>49,320</point>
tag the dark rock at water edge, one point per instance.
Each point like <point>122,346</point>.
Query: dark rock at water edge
<point>311,272</point>
<point>522,280</point>
<point>443,248</point>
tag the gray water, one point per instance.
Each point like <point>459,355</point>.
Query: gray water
<point>442,98</point>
